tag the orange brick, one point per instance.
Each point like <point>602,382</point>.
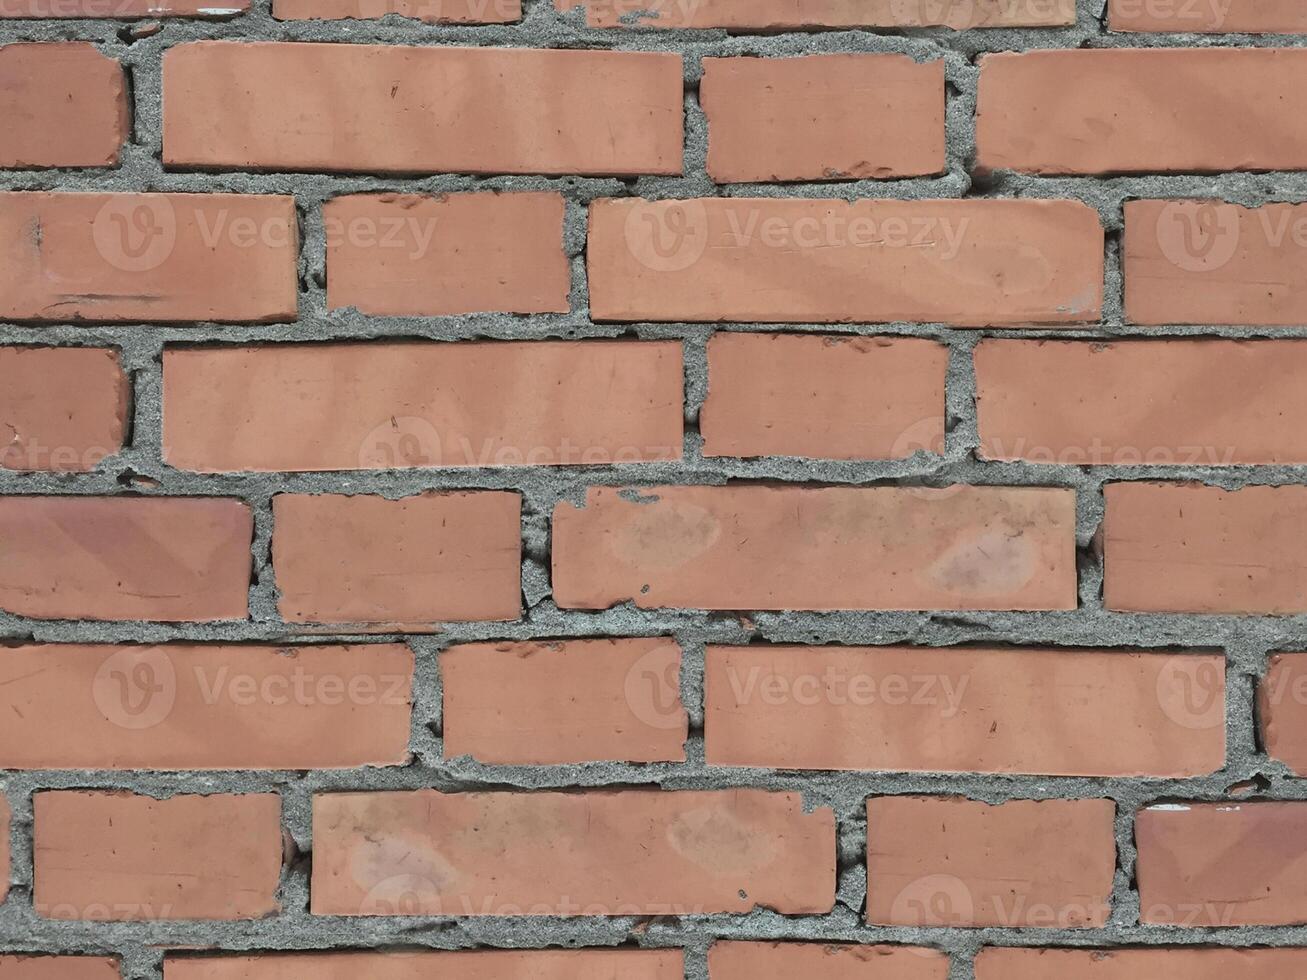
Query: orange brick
<point>205,707</point>
<point>823,396</point>
<point>786,15</point>
<point>65,409</point>
<point>342,107</point>
<point>784,961</point>
<point>431,11</point>
<point>793,547</point>
<point>969,263</point>
<point>400,405</point>
<point>788,118</point>
<point>1158,963</point>
<point>1209,16</point>
<point>148,257</point>
<point>58,967</point>
<point>627,852</point>
<point>1282,710</point>
<point>925,709</point>
<point>564,701</point>
<point>61,105</point>
<point>950,861</point>
<point>170,559</point>
<point>1161,403</point>
<point>422,559</point>
<point>122,9</point>
<point>1135,110</point>
<point>115,857</point>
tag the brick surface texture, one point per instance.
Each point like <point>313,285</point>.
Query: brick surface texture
<point>653,489</point>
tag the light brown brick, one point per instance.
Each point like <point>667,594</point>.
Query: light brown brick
<point>22,967</point>
<point>1208,16</point>
<point>1157,963</point>
<point>786,960</point>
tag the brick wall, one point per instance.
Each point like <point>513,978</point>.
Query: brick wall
<point>678,489</point>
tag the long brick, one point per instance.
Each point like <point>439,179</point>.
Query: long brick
<point>788,118</point>
<point>1209,16</point>
<point>59,967</point>
<point>422,559</point>
<point>1221,864</point>
<point>115,857</point>
<point>1189,548</point>
<point>1209,262</point>
<point>792,547</point>
<point>735,960</point>
<point>823,396</point>
<point>342,107</point>
<point>61,105</point>
<point>148,257</point>
<point>122,9</point>
<point>564,701</point>
<point>61,409</point>
<point>629,852</point>
<point>1164,402</point>
<point>478,964</point>
<point>924,709</point>
<point>1135,110</point>
<point>1158,963</point>
<point>401,405</point>
<point>772,260</point>
<point>406,255</point>
<point>1282,710</point>
<point>787,15</point>
<point>171,559</point>
<point>950,861</point>
<point>205,707</point>
<point>430,11</point>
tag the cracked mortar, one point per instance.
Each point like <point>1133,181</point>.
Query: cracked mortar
<point>1244,640</point>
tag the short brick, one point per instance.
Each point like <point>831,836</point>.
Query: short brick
<point>787,15</point>
<point>148,257</point>
<point>1209,16</point>
<point>969,263</point>
<point>422,559</point>
<point>1160,403</point>
<point>564,701</point>
<point>823,397</point>
<point>925,709</point>
<point>1140,110</point>
<point>59,967</point>
<point>116,857</point>
<point>431,11</point>
<point>170,559</point>
<point>61,105</point>
<point>793,547</point>
<point>1171,547</point>
<point>953,862</point>
<point>402,405</point>
<point>788,118</point>
<point>65,409</point>
<point>1221,864</point>
<point>787,960</point>
<point>205,707</point>
<point>1282,710</point>
<point>1158,963</point>
<point>122,9</point>
<point>630,852</point>
<point>343,107</point>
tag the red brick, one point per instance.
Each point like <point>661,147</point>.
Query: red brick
<point>1169,963</point>
<point>478,964</point>
<point>61,105</point>
<point>170,559</point>
<point>205,707</point>
<point>628,852</point>
<point>1163,402</point>
<point>115,857</point>
<point>406,255</point>
<point>969,263</point>
<point>786,960</point>
<point>786,15</point>
<point>58,967</point>
<point>400,405</point>
<point>564,701</point>
<point>788,118</point>
<point>64,409</point>
<point>823,396</point>
<point>1282,710</point>
<point>1209,16</point>
<point>950,861</point>
<point>422,559</point>
<point>1209,262</point>
<point>148,257</point>
<point>1221,864</point>
<point>5,815</point>
<point>1135,110</point>
<point>1172,547</point>
<point>925,709</point>
<point>342,107</point>
<point>122,9</point>
<point>431,11</point>
<point>793,547</point>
